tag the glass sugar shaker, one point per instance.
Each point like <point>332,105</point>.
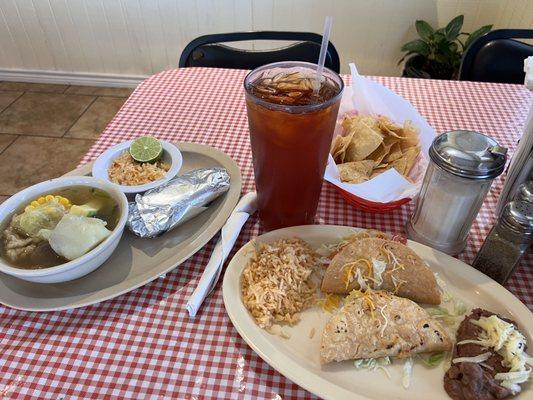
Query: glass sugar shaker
<point>507,242</point>
<point>462,166</point>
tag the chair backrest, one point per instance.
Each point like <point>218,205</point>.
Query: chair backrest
<point>207,51</point>
<point>496,57</point>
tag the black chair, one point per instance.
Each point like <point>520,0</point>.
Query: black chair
<point>206,51</point>
<point>496,57</point>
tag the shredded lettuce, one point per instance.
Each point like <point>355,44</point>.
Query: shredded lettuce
<point>373,363</point>
<point>432,360</point>
<point>378,267</point>
<point>447,317</point>
<point>459,308</point>
<point>407,372</point>
<point>360,280</point>
<point>446,296</point>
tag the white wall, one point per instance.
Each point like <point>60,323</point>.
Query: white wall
<point>141,37</point>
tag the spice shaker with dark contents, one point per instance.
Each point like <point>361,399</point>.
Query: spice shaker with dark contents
<point>525,192</point>
<point>507,242</point>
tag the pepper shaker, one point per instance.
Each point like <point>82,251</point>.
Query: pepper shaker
<point>507,242</point>
<point>525,192</point>
<point>462,166</point>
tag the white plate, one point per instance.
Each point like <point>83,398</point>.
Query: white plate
<point>171,154</point>
<point>298,357</point>
<point>136,261</point>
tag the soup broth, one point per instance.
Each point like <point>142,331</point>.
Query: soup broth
<point>109,212</point>
<point>26,251</point>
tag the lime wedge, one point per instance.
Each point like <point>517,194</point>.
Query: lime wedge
<point>146,149</point>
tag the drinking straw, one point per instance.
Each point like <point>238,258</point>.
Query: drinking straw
<point>323,49</point>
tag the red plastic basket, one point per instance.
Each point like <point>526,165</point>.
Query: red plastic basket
<point>371,206</point>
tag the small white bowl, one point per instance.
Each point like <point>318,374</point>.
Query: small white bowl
<point>82,265</point>
<point>171,154</point>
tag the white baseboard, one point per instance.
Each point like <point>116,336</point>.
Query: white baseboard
<point>71,78</point>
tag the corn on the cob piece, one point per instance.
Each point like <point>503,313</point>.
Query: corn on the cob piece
<point>44,199</point>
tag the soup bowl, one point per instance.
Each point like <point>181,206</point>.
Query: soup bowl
<point>82,265</point>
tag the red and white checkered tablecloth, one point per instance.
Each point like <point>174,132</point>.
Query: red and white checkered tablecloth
<point>142,344</point>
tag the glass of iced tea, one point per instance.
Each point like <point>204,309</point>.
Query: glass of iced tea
<point>291,118</point>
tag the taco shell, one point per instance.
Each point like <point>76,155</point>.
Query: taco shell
<point>378,324</point>
<point>382,264</point>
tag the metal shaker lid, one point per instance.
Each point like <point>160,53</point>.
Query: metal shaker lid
<point>468,154</point>
<point>519,216</point>
<point>525,192</point>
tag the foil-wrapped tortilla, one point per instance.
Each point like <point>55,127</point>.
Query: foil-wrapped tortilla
<point>163,208</point>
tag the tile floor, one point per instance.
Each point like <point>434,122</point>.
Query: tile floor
<point>46,129</point>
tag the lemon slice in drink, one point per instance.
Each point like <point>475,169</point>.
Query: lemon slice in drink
<point>146,149</point>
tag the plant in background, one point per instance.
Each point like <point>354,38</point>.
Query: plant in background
<point>437,54</point>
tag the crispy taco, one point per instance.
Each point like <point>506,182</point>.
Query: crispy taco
<point>381,264</point>
<point>377,324</point>
<point>362,234</point>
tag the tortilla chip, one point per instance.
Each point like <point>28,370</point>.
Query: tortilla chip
<point>355,177</point>
<point>340,144</point>
<point>348,122</point>
<point>378,171</point>
<point>337,150</point>
<point>377,155</point>
<point>363,143</point>
<point>399,165</point>
<point>410,156</point>
<point>373,145</point>
<point>364,166</point>
<point>410,135</point>
<point>370,121</point>
<point>389,127</point>
<point>395,152</point>
<point>356,171</point>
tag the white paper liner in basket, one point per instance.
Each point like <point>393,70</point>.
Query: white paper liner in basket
<point>368,97</point>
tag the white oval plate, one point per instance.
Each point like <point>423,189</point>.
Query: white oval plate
<point>298,357</point>
<point>171,154</point>
<point>136,261</point>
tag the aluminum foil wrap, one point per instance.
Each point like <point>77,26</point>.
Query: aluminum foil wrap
<point>163,208</point>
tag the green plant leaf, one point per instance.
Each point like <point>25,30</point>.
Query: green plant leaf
<point>424,29</point>
<point>476,34</point>
<point>405,56</point>
<point>416,46</point>
<point>438,35</point>
<point>443,45</point>
<point>454,27</point>
<point>441,58</point>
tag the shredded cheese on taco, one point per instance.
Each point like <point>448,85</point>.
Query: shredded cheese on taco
<point>476,359</point>
<point>397,282</point>
<point>365,294</point>
<point>350,275</point>
<point>330,302</point>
